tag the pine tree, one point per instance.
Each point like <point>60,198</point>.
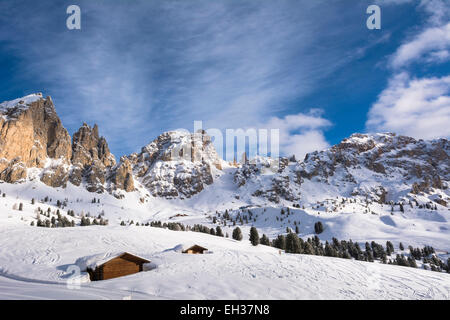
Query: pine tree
<point>32,201</point>
<point>346,255</point>
<point>280,242</point>
<point>412,262</point>
<point>297,230</point>
<point>264,240</point>
<point>21,206</point>
<point>329,250</point>
<point>219,232</point>
<point>308,248</point>
<point>292,243</point>
<point>389,248</point>
<point>369,256</point>
<point>254,237</point>
<point>401,246</point>
<point>318,227</point>
<point>237,234</point>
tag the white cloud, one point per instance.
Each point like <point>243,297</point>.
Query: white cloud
<point>300,133</point>
<point>230,64</point>
<point>415,107</point>
<point>431,44</point>
<point>438,11</point>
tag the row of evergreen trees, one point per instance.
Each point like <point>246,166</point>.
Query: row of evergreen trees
<point>99,221</point>
<point>292,243</point>
<point>176,226</point>
<point>59,222</point>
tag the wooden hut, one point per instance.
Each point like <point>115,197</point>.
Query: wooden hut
<point>116,266</point>
<point>195,249</point>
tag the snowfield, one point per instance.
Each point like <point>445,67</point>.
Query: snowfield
<point>34,263</point>
<point>39,263</point>
<point>416,227</point>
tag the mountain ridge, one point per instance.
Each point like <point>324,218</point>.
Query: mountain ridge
<point>379,167</point>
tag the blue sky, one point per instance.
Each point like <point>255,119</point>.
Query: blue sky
<point>309,68</point>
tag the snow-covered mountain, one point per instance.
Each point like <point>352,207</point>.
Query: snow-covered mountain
<point>370,187</point>
<point>377,167</point>
<point>380,167</point>
<point>177,164</point>
<point>180,173</point>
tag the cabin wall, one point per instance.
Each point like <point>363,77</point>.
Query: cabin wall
<point>119,267</point>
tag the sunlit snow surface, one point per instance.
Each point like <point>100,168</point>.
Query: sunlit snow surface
<point>34,262</point>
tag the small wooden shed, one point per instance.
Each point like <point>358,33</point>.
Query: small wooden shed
<point>116,266</point>
<point>195,249</point>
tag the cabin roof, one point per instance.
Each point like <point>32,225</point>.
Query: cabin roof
<point>97,260</point>
<point>186,246</point>
<point>197,247</point>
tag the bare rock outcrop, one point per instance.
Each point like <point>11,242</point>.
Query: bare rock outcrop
<point>177,164</point>
<point>31,133</point>
<point>91,159</point>
<point>123,175</point>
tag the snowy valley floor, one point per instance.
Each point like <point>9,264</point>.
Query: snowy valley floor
<point>34,263</point>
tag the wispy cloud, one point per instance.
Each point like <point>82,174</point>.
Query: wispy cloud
<point>431,45</point>
<point>141,69</point>
<point>432,41</point>
<point>301,133</point>
<point>415,107</point>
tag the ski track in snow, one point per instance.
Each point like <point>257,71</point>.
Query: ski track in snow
<point>33,263</point>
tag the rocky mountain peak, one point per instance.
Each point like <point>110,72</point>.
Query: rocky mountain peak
<point>91,158</point>
<point>30,134</point>
<point>88,147</point>
<point>372,166</point>
<point>177,163</point>
<point>123,175</point>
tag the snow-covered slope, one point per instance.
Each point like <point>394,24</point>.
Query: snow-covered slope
<point>233,269</point>
<point>370,187</point>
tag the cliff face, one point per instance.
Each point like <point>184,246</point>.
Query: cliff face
<point>91,159</point>
<point>176,164</point>
<point>122,177</point>
<point>378,167</point>
<point>31,134</point>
